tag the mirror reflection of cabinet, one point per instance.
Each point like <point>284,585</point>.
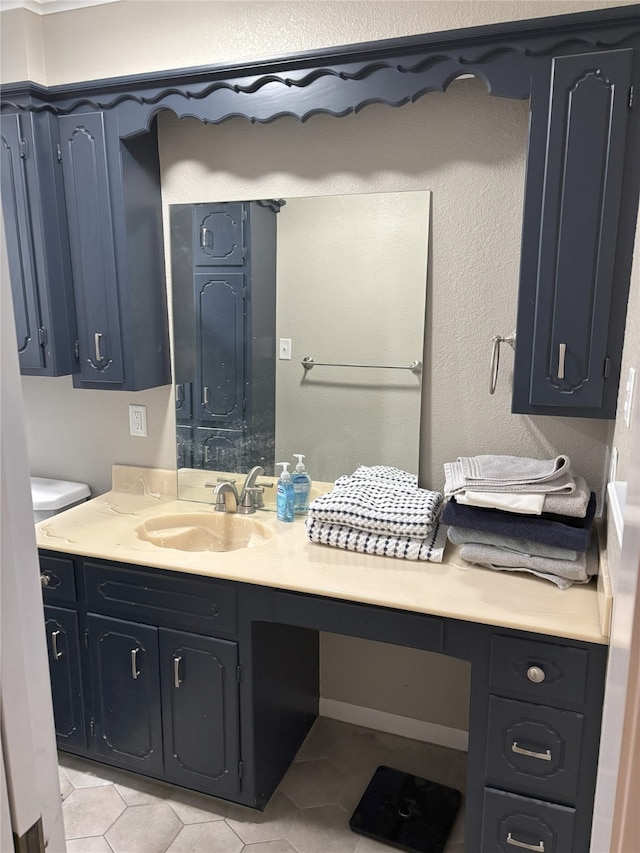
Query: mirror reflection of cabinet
<point>224,292</point>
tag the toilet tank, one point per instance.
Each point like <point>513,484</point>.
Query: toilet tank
<point>49,497</point>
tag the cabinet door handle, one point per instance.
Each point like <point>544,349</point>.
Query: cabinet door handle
<point>54,645</point>
<point>205,396</point>
<point>543,756</point>
<point>96,343</point>
<point>536,674</point>
<point>135,672</point>
<point>537,848</point>
<point>45,580</point>
<point>203,237</point>
<point>176,672</point>
<point>562,351</point>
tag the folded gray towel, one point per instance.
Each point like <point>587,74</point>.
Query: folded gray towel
<point>431,548</point>
<point>569,571</point>
<point>508,474</point>
<point>465,536</point>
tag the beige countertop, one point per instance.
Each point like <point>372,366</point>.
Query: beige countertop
<point>105,527</point>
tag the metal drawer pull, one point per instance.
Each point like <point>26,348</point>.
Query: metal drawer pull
<point>536,674</point>
<point>203,237</point>
<point>538,848</point>
<point>54,645</point>
<point>96,341</point>
<point>205,396</point>
<point>45,580</point>
<point>134,666</point>
<point>543,756</point>
<point>562,351</point>
<point>176,672</point>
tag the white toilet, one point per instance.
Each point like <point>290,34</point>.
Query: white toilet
<point>49,497</point>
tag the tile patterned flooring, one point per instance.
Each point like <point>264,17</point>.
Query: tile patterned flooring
<point>111,811</point>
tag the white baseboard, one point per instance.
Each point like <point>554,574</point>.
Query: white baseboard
<point>370,718</point>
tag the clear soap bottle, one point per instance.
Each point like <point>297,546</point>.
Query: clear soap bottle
<point>284,494</point>
<point>301,486</point>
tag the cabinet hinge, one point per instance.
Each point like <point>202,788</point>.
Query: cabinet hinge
<point>24,149</point>
<point>86,638</point>
<point>59,152</point>
<point>631,94</point>
<point>92,727</point>
<point>244,252</point>
<point>241,769</point>
<point>76,350</point>
<point>244,214</point>
<point>607,367</point>
<point>238,674</point>
<point>42,336</point>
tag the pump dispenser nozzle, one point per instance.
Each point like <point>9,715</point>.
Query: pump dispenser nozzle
<point>300,465</point>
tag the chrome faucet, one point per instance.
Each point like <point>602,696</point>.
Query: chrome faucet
<point>247,501</point>
<point>220,491</point>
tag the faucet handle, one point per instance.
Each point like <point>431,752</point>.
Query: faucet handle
<point>249,503</point>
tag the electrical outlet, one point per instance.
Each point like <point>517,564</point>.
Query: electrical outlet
<point>138,420</point>
<point>285,349</point>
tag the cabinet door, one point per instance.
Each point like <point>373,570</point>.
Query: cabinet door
<point>126,692</point>
<point>86,184</point>
<point>19,231</point>
<point>63,647</point>
<point>219,449</point>
<point>220,346</point>
<point>219,235</point>
<point>200,712</point>
<point>562,343</point>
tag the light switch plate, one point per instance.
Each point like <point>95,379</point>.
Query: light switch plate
<point>285,349</point>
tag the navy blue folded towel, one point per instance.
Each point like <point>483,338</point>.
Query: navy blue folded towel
<point>572,533</point>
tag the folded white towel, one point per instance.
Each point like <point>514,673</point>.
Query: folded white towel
<point>383,474</point>
<point>403,547</point>
<point>370,506</point>
<point>508,474</point>
<point>573,505</point>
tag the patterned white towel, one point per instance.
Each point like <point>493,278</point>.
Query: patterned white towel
<point>404,547</point>
<point>370,506</point>
<point>383,474</point>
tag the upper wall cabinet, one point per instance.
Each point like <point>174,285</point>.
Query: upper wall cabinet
<point>569,335</point>
<point>577,71</point>
<point>37,249</point>
<point>113,206</point>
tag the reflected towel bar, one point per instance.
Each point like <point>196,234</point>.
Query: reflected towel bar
<point>415,366</point>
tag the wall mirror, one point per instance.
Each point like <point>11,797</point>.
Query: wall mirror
<point>261,287</point>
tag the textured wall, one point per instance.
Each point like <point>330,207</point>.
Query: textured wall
<point>466,147</point>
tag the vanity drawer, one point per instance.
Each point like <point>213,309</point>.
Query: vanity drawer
<point>533,749</point>
<point>57,578</point>
<point>173,601</point>
<point>511,823</point>
<point>548,673</point>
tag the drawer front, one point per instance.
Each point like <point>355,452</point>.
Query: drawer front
<point>549,673</point>
<point>533,749</point>
<point>511,824</point>
<point>57,578</point>
<point>186,602</point>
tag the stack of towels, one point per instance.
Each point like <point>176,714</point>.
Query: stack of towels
<point>517,514</point>
<point>379,510</point>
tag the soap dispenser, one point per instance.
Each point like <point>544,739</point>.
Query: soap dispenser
<point>284,495</point>
<point>301,486</point>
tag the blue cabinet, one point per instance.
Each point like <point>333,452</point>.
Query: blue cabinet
<point>37,250</point>
<point>112,192</point>
<point>571,308</point>
<point>63,647</point>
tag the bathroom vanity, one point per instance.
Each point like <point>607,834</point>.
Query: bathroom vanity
<point>201,668</point>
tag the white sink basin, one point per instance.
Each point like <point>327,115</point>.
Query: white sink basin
<point>204,531</point>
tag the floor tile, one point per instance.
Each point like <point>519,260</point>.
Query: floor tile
<point>192,807</point>
<point>91,811</point>
<point>313,783</point>
<point>358,751</point>
<point>214,837</point>
<point>84,774</point>
<point>144,829</point>
<point>96,844</point>
<point>281,846</point>
<point>323,830</point>
<point>273,824</point>
<point>65,783</point>
<point>370,845</point>
<point>139,791</point>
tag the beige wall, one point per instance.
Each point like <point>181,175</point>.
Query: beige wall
<point>466,147</point>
